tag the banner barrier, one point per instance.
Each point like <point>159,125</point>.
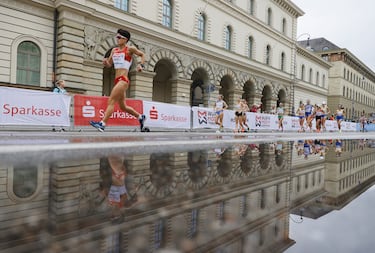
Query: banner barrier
<point>203,118</point>
<point>88,108</point>
<point>166,115</point>
<point>30,107</point>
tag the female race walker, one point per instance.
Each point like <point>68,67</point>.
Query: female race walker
<point>340,113</point>
<point>220,106</point>
<point>121,58</point>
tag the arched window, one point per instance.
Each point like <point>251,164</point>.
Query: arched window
<point>250,47</point>
<point>310,75</point>
<point>25,182</point>
<point>28,63</point>
<point>269,16</point>
<point>167,13</point>
<point>228,38</point>
<point>122,5</point>
<point>194,221</point>
<point>303,72</point>
<point>282,67</point>
<point>221,211</point>
<point>202,27</point>
<point>245,206</point>
<point>317,78</point>
<point>252,7</point>
<point>268,55</point>
<point>160,233</point>
<point>283,27</point>
<point>262,198</point>
<point>324,81</point>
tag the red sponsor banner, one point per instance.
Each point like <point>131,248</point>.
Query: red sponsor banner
<point>88,108</point>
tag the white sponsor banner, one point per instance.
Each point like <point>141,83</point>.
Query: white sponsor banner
<point>30,107</point>
<point>291,123</point>
<point>263,121</point>
<point>331,125</point>
<point>229,120</point>
<point>203,117</point>
<point>166,115</point>
<point>348,126</point>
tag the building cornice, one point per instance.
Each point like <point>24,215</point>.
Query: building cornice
<point>350,59</point>
<point>311,87</point>
<point>290,7</point>
<point>313,56</point>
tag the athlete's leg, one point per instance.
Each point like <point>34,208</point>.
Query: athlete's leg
<point>117,94</point>
<point>124,107</point>
<point>236,119</point>
<point>221,119</point>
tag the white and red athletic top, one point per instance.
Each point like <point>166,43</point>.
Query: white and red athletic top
<point>121,58</point>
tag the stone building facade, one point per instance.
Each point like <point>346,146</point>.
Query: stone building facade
<point>236,48</point>
<point>351,82</point>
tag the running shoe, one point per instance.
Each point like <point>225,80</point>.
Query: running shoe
<point>142,120</point>
<point>98,125</point>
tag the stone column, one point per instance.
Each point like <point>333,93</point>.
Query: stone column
<point>257,100</point>
<point>273,102</point>
<point>181,92</point>
<point>235,96</point>
<point>210,98</point>
<point>70,51</point>
<point>141,85</point>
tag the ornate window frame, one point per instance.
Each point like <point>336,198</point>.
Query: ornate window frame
<point>43,58</point>
<point>9,185</point>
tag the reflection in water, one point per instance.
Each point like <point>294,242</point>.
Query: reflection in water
<point>236,199</point>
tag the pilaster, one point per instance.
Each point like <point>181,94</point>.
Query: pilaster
<point>181,92</point>
<point>70,49</point>
<point>141,84</point>
<point>257,99</point>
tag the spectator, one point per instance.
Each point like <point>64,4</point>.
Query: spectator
<point>255,108</point>
<point>59,89</point>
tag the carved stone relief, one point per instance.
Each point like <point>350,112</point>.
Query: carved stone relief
<point>94,37</point>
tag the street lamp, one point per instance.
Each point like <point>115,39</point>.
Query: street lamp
<point>294,76</point>
<point>300,220</point>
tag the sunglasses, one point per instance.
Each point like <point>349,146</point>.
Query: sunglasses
<point>120,37</point>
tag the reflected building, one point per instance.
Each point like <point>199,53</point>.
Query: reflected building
<point>346,175</point>
<point>308,173</point>
<point>232,199</point>
<point>200,201</point>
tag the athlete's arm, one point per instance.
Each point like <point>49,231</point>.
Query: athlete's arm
<point>107,61</point>
<point>134,50</point>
